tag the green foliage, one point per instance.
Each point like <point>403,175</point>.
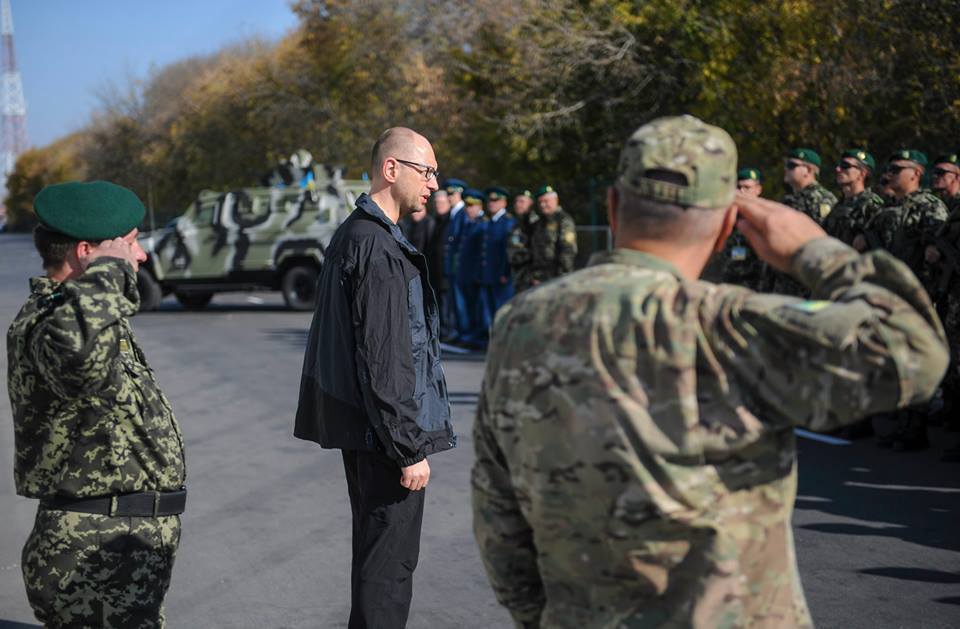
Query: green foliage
<point>35,169</point>
<point>522,92</point>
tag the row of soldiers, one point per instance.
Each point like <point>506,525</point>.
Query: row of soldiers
<point>919,225</point>
<point>480,253</point>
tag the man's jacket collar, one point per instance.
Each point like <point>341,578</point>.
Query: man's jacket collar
<point>369,207</point>
<point>632,257</point>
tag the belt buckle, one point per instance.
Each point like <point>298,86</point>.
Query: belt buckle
<point>113,506</point>
<point>156,503</point>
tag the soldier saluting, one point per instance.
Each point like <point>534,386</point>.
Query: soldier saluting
<point>636,461</point>
<point>96,439</point>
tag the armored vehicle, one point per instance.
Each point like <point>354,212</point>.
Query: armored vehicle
<point>266,238</point>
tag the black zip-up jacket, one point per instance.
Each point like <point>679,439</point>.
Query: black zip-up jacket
<point>371,374</point>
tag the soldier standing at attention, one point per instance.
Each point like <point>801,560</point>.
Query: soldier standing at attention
<point>738,263</point>
<point>495,268</point>
<point>946,180</point>
<point>800,173</point>
<point>96,439</point>
<point>635,454</point>
<point>472,332</point>
<point>518,248</point>
<point>859,203</point>
<point>904,229</point>
<point>451,252</point>
<point>553,239</point>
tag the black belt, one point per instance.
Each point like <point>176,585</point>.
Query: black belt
<point>147,504</point>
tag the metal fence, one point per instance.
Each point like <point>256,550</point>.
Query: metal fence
<point>591,239</point>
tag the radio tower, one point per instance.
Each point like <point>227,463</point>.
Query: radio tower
<point>13,131</point>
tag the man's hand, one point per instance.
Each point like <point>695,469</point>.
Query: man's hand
<point>776,232</point>
<point>416,476</point>
<point>931,254</point>
<point>859,243</point>
<point>117,248</point>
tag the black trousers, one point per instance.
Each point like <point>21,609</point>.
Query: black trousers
<point>386,540</point>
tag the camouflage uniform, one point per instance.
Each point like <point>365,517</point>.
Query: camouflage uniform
<point>635,453</point>
<point>816,202</point>
<point>518,251</point>
<point>906,228</point>
<point>739,264</point>
<point>553,246</point>
<point>90,421</point>
<point>636,461</point>
<point>849,217</point>
<point>945,277</point>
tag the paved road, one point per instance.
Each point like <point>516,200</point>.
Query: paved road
<point>266,537</point>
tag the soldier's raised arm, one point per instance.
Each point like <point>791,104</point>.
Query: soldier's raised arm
<point>868,340</point>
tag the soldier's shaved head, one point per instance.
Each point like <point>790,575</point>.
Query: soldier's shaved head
<point>397,142</point>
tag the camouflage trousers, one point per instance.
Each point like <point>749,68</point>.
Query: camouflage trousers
<point>83,570</point>
<point>951,323</point>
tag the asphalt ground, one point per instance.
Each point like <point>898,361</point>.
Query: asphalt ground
<point>266,536</point>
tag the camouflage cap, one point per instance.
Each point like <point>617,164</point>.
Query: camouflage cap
<point>807,155</point>
<point>706,156</point>
<point>472,196</point>
<point>910,155</point>
<point>752,174</point>
<point>862,156</point>
<point>94,211</point>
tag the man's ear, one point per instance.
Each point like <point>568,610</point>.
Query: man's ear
<point>388,170</point>
<point>729,222</point>
<point>613,202</point>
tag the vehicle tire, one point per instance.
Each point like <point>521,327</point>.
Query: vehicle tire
<point>149,289</point>
<point>193,300</point>
<point>299,287</point>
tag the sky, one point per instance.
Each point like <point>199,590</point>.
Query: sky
<point>69,51</point>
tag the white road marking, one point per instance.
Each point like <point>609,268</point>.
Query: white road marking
<point>938,490</point>
<point>833,441</point>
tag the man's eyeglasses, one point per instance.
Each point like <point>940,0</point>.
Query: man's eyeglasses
<point>429,172</point>
<point>847,165</point>
<point>791,165</point>
<point>940,172</point>
<point>894,169</point>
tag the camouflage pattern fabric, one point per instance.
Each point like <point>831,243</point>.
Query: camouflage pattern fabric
<point>518,251</point>
<point>906,228</point>
<point>739,264</point>
<point>815,201</point>
<point>89,421</point>
<point>635,455</point>
<point>553,246</point>
<point>945,279</point>
<point>849,217</point>
<point>952,203</point>
<point>84,570</point>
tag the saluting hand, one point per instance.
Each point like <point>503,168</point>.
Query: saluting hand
<point>416,476</point>
<point>776,232</point>
<point>126,248</point>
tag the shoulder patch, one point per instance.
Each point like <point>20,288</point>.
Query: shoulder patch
<point>810,306</point>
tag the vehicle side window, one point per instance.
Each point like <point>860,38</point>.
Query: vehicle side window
<point>204,214</point>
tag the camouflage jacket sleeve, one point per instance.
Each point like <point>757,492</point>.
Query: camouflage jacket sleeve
<point>73,346</point>
<point>503,534</point>
<point>518,250</point>
<point>567,246</point>
<point>868,341</point>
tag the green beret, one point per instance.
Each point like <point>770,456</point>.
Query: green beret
<point>525,193</point>
<point>862,156</point>
<point>496,193</point>
<point>910,155</point>
<point>94,211</point>
<point>950,158</point>
<point>750,173</point>
<point>542,190</point>
<point>807,155</point>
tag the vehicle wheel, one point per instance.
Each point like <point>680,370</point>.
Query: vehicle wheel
<point>150,293</point>
<point>299,286</point>
<point>194,300</point>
